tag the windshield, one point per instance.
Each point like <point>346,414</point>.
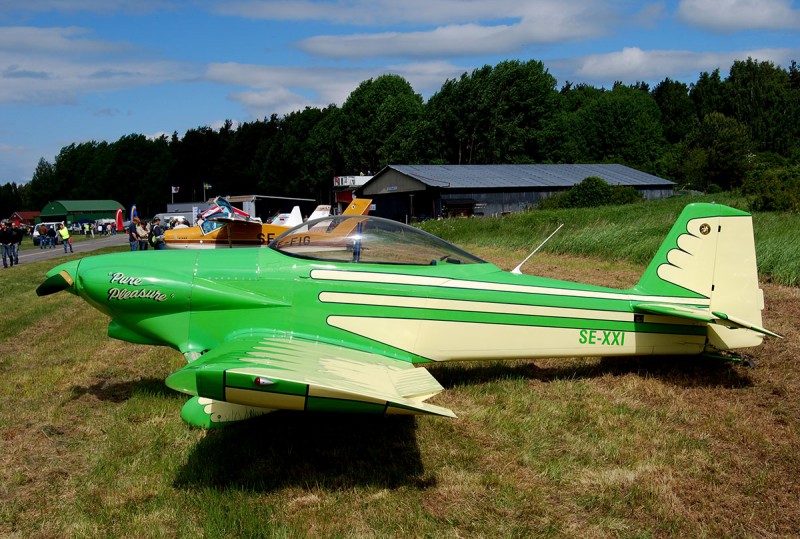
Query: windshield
<point>368,240</point>
<point>210,226</point>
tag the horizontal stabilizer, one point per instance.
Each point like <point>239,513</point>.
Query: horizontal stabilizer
<point>680,311</point>
<point>699,314</point>
<point>745,324</point>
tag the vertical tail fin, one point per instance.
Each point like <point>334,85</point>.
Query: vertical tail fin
<point>710,254</point>
<point>358,206</point>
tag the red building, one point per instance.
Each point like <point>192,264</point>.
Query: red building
<point>27,218</point>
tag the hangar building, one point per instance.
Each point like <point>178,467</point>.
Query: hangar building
<point>83,211</point>
<point>410,192</point>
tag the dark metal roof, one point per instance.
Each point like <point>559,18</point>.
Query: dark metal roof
<point>515,176</point>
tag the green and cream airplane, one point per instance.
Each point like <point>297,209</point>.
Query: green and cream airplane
<point>341,314</point>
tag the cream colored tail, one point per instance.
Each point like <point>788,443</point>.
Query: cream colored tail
<point>710,254</point>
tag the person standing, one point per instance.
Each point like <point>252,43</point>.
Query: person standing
<point>16,241</point>
<point>158,233</point>
<point>5,244</point>
<point>64,233</point>
<point>144,234</point>
<point>51,237</point>
<point>133,237</point>
<point>42,237</point>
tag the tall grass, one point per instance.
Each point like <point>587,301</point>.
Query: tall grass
<point>631,232</point>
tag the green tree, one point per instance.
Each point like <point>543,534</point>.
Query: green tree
<point>760,97</point>
<point>324,156</point>
<point>196,156</point>
<point>286,167</point>
<point>370,115</point>
<point>623,125</point>
<point>677,110</point>
<point>494,115</point>
<point>717,154</point>
<point>708,94</point>
<point>10,199</point>
<point>41,186</point>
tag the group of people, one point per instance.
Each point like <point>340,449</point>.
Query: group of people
<point>48,234</point>
<point>141,234</point>
<point>11,236</point>
<point>47,237</point>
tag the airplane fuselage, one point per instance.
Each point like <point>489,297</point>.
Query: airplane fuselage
<point>195,300</point>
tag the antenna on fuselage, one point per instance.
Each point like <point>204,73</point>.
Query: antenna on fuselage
<point>517,269</point>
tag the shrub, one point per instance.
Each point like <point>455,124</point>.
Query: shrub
<point>775,189</point>
<point>591,192</point>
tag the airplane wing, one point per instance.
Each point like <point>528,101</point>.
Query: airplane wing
<point>702,315</point>
<point>258,374</point>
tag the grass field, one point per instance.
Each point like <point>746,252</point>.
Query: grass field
<point>92,445</point>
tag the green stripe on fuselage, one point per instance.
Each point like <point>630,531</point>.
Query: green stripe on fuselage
<point>410,313</point>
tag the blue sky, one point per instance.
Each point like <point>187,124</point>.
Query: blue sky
<point>73,71</point>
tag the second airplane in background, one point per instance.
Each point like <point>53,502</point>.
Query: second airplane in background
<point>224,226</point>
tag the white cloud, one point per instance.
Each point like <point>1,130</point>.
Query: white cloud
<point>538,23</point>
<point>736,15</point>
<point>55,65</point>
<point>8,148</point>
<point>89,6</point>
<point>61,41</point>
<point>280,90</point>
<point>650,14</point>
<point>449,27</point>
<point>634,64</point>
<point>426,12</point>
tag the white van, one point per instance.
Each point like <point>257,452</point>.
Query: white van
<point>48,224</point>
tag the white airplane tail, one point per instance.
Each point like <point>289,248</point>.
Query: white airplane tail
<point>709,257</point>
<point>289,219</point>
<point>323,210</point>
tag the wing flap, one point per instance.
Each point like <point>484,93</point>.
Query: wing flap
<point>416,384</point>
<point>282,373</point>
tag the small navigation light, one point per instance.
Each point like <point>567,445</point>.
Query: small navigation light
<point>261,381</point>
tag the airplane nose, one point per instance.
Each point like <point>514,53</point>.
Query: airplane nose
<point>60,278</point>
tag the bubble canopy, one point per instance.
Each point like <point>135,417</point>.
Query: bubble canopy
<point>362,239</point>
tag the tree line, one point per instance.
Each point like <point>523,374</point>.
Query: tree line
<point>736,132</point>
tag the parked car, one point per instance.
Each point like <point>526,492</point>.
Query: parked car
<point>54,224</point>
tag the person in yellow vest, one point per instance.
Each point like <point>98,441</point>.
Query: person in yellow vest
<point>64,233</point>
